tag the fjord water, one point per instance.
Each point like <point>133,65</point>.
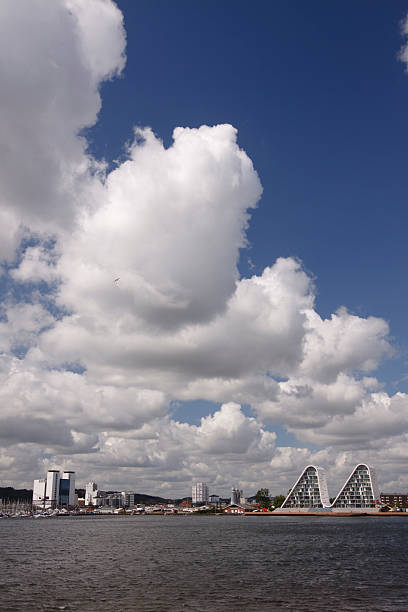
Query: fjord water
<point>160,563</point>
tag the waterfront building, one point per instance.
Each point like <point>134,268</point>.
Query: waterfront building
<point>234,508</point>
<point>64,492</point>
<point>394,499</point>
<point>309,491</point>
<point>100,500</point>
<point>114,500</point>
<point>54,490</point>
<point>214,499</point>
<point>360,489</point>
<point>199,493</point>
<point>67,489</point>
<point>128,498</point>
<point>96,497</point>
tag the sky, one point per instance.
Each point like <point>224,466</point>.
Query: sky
<point>203,242</point>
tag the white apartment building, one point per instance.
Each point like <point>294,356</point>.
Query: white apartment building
<point>96,497</point>
<point>128,499</point>
<point>309,491</point>
<point>360,489</point>
<point>199,493</point>
<point>91,493</point>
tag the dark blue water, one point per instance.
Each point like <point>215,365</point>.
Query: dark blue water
<point>160,563</point>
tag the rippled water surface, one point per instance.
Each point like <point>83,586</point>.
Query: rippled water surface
<point>164,563</point>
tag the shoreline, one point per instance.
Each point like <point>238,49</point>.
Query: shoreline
<point>334,514</point>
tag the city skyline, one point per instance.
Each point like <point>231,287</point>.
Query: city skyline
<point>202,242</point>
<point>311,486</point>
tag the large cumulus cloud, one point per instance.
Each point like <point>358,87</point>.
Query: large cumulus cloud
<point>54,55</point>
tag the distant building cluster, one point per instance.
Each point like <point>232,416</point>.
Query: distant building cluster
<point>55,491</point>
<point>200,498</point>
<point>96,497</point>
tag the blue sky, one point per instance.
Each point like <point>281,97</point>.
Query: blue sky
<point>257,319</point>
<point>319,98</point>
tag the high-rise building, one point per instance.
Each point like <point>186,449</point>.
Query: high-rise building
<point>67,489</point>
<point>52,489</point>
<point>63,492</point>
<point>199,493</point>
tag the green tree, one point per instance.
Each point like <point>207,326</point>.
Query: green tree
<point>262,498</point>
<point>278,500</point>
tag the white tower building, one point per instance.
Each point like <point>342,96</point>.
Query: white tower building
<point>52,489</point>
<point>91,493</point>
<point>199,493</point>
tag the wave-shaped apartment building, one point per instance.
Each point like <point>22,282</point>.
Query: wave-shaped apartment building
<point>359,493</point>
